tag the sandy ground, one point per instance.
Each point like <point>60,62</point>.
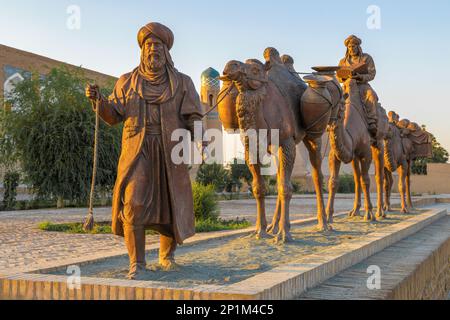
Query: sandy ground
<point>229,261</point>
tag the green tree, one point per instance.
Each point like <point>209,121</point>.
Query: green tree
<point>236,173</point>
<point>50,133</point>
<point>440,154</point>
<point>10,184</point>
<point>212,174</point>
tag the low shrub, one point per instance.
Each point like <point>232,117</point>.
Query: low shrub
<point>206,206</point>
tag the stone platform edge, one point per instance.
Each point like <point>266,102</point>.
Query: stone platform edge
<point>285,282</point>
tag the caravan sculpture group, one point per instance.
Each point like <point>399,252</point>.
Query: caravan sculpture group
<point>155,99</point>
<point>273,96</point>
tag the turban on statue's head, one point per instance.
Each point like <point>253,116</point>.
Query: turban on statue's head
<point>353,40</point>
<point>163,82</point>
<point>287,59</point>
<point>158,30</point>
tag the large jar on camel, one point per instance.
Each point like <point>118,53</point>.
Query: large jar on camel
<point>227,106</point>
<point>316,105</point>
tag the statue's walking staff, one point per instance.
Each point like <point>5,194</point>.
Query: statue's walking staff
<point>89,223</point>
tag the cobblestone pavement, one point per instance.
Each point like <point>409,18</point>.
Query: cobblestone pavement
<point>22,244</point>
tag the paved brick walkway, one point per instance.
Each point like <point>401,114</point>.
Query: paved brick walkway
<point>22,244</point>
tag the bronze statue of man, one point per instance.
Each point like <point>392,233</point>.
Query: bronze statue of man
<point>151,192</point>
<point>354,57</point>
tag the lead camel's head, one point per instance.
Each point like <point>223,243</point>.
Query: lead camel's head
<point>245,76</point>
<point>249,78</point>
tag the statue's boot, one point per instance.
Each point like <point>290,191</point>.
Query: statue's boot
<point>135,242</point>
<point>167,248</point>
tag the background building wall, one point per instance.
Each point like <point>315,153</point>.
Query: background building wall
<point>17,61</point>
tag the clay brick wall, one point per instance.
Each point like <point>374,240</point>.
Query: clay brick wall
<point>32,62</point>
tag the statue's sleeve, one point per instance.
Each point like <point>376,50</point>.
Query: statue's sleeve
<point>371,69</point>
<point>112,109</point>
<point>191,108</point>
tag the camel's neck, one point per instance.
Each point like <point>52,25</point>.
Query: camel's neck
<point>383,123</point>
<point>248,103</point>
<point>340,141</point>
<point>354,96</point>
<point>348,131</point>
<point>393,148</point>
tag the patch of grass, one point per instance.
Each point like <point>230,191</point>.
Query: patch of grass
<point>220,225</point>
<point>105,227</point>
<point>76,227</point>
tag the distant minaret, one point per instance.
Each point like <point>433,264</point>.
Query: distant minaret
<point>209,92</point>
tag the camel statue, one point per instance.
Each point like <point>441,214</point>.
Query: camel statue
<point>397,158</point>
<point>350,141</point>
<point>406,142</point>
<point>257,96</point>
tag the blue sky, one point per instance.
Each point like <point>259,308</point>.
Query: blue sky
<point>411,50</point>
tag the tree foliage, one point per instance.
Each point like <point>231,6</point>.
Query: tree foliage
<point>236,173</point>
<point>212,174</point>
<point>50,133</point>
<point>440,154</point>
<point>10,184</point>
<point>224,177</point>
<point>346,184</point>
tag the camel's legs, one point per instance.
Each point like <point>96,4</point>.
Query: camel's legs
<point>315,157</point>
<point>388,182</point>
<point>259,191</point>
<point>402,187</point>
<point>408,187</point>
<point>365,181</point>
<point>378,156</point>
<point>287,158</point>
<point>357,178</point>
<point>273,227</point>
<point>333,184</point>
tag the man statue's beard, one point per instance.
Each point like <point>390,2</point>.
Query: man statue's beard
<point>155,62</point>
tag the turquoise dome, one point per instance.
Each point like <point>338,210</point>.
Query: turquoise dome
<point>210,73</point>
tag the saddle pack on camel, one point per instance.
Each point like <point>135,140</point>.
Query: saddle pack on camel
<point>413,134</point>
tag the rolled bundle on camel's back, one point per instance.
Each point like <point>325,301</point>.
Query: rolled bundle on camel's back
<point>417,138</point>
<point>422,141</point>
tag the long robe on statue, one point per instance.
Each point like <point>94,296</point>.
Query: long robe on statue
<point>151,190</point>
